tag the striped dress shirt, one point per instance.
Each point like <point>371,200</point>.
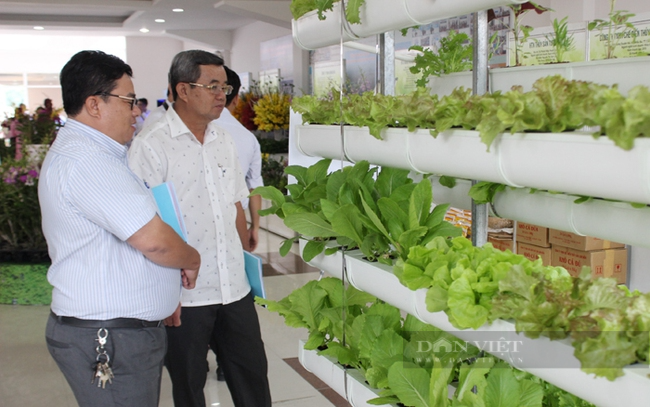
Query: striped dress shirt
<point>91,204</point>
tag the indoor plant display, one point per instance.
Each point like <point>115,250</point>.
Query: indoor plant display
<point>20,213</point>
<point>383,213</point>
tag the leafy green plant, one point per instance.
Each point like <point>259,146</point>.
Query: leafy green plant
<point>618,20</point>
<point>520,31</point>
<point>318,306</point>
<point>273,146</point>
<point>273,173</point>
<point>452,56</point>
<point>606,323</point>
<point>301,7</point>
<point>382,212</point>
<point>554,105</point>
<point>20,213</point>
<point>388,350</point>
<point>561,40</point>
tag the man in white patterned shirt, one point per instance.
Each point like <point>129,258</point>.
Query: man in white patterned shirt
<point>200,159</point>
<point>117,268</point>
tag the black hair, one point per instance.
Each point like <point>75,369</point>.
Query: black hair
<point>143,100</point>
<point>186,67</point>
<point>235,82</point>
<point>89,73</point>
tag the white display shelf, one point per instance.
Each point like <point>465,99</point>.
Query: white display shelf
<point>392,150</point>
<point>382,285</point>
<point>623,72</point>
<point>331,264</point>
<point>380,16</point>
<point>552,361</point>
<point>620,72</point>
<point>615,221</point>
<point>329,371</point>
<point>325,368</point>
<point>571,162</point>
<point>320,141</point>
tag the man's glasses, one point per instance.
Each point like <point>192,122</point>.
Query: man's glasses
<point>214,89</point>
<point>132,101</point>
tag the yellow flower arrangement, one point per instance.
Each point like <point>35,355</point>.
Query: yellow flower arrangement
<point>272,112</point>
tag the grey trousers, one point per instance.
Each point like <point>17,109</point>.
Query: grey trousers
<point>137,357</point>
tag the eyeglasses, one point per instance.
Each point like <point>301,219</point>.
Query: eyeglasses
<point>132,100</point>
<point>214,89</point>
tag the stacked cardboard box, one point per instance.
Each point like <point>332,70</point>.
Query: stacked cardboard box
<point>533,242</point>
<point>500,234</point>
<point>605,258</point>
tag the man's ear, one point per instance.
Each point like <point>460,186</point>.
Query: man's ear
<point>92,106</point>
<point>181,90</point>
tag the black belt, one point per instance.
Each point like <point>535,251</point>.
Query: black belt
<point>116,323</point>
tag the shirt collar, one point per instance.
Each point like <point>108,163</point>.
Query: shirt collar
<point>178,128</point>
<point>100,139</point>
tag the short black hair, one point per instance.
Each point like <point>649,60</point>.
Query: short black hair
<point>89,73</point>
<point>143,100</point>
<point>186,67</point>
<point>235,82</point>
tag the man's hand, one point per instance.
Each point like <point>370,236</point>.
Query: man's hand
<point>175,318</point>
<point>253,239</point>
<point>188,277</point>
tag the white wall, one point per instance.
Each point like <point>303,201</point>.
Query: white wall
<point>245,52</point>
<point>150,58</point>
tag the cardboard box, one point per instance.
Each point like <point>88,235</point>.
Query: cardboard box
<point>568,239</point>
<point>603,263</point>
<point>532,252</point>
<point>532,234</point>
<point>502,244</point>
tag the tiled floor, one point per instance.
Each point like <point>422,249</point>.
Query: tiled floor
<point>30,378</point>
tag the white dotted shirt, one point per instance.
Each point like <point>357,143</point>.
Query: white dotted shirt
<point>248,149</point>
<point>208,181</point>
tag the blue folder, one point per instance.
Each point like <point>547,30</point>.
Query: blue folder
<point>253,264</point>
<point>168,208</point>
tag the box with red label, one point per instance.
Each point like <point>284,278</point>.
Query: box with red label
<point>603,263</point>
<point>568,239</point>
<point>532,234</point>
<point>502,244</point>
<point>532,252</point>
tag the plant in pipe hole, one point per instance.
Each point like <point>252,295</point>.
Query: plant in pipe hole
<point>401,355</point>
<point>454,55</point>
<point>380,211</point>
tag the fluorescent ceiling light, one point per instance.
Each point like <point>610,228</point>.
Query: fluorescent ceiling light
<point>144,30</point>
<point>38,27</point>
<point>159,20</point>
<point>178,10</point>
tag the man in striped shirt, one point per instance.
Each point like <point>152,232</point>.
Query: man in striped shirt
<point>117,268</point>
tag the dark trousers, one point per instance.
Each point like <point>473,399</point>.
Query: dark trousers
<point>236,331</point>
<point>137,357</point>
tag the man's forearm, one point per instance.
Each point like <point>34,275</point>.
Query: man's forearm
<point>254,205</point>
<point>159,243</point>
<point>240,223</point>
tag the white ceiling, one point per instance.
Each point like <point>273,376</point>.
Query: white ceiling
<point>127,17</point>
